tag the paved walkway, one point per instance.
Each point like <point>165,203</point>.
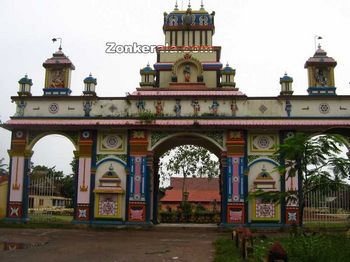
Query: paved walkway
<point>157,244</point>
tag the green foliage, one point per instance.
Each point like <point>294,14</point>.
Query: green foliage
<point>313,159</point>
<point>147,116</point>
<point>188,161</point>
<point>308,248</point>
<point>3,167</point>
<point>225,251</point>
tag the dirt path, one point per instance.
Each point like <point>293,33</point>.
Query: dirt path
<point>117,245</point>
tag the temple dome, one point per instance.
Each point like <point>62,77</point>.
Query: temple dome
<point>25,80</point>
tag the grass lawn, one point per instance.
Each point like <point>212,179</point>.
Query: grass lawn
<point>320,247</point>
<point>50,219</point>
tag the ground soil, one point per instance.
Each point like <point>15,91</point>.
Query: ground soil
<point>156,244</point>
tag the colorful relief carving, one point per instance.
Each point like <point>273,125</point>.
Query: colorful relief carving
<point>214,107</point>
<point>262,143</point>
<point>177,107</point>
<point>137,178</point>
<point>159,105</point>
<point>137,212</point>
<point>112,143</point>
<point>196,107</point>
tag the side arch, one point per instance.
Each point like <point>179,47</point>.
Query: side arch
<point>38,137</point>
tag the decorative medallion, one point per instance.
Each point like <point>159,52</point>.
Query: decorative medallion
<point>263,143</point>
<point>53,108</point>
<point>86,134</point>
<point>262,108</point>
<point>324,108</point>
<point>82,213</point>
<point>19,134</point>
<point>265,210</point>
<point>292,216</point>
<point>112,143</point>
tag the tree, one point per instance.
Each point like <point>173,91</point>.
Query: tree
<point>315,161</point>
<point>3,167</point>
<point>189,161</point>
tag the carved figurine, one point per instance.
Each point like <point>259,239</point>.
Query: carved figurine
<point>214,107</point>
<point>159,107</point>
<point>140,105</point>
<point>177,107</point>
<point>196,107</point>
<point>57,80</point>
<point>187,73</point>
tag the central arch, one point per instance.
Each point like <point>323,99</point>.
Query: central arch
<point>172,141</point>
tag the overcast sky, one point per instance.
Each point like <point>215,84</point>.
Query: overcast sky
<point>260,39</point>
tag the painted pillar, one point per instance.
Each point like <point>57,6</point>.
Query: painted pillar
<point>235,191</point>
<point>17,204</point>
<point>138,206</point>
<point>291,187</point>
<point>83,205</point>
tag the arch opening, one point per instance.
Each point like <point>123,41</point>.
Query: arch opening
<point>52,179</point>
<point>195,198</point>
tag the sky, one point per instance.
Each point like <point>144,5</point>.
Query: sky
<point>260,39</point>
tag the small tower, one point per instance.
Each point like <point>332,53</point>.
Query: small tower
<point>58,74</point>
<point>90,86</point>
<point>286,85</point>
<point>25,85</point>
<point>320,69</point>
<point>228,76</point>
<point>147,76</point>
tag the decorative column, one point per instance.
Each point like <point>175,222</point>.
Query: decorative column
<point>17,205</point>
<point>83,205</point>
<point>138,178</point>
<point>292,203</point>
<point>291,187</point>
<point>235,192</point>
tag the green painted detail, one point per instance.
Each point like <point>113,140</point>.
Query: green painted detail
<point>100,157</point>
<point>157,136</point>
<point>251,158</point>
<point>218,137</point>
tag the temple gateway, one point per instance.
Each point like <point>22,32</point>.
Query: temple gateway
<point>187,97</point>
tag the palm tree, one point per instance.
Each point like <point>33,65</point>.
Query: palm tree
<point>315,161</point>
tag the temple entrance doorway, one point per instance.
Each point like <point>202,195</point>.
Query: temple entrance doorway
<point>187,184</point>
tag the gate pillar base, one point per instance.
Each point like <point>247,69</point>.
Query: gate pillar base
<point>235,213</point>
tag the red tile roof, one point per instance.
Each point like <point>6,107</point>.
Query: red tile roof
<point>200,190</point>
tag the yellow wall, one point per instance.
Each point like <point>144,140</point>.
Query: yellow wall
<point>3,198</point>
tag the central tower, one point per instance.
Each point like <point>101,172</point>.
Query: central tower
<point>188,60</point>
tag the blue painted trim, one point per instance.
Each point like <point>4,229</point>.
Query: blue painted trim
<point>93,176</point>
<point>115,159</point>
<point>263,160</point>
<point>224,193</point>
<point>75,198</point>
<point>245,177</point>
<point>283,184</point>
<point>25,189</point>
<point>107,222</point>
<point>229,178</point>
<point>147,192</point>
<point>9,188</point>
<point>128,164</point>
